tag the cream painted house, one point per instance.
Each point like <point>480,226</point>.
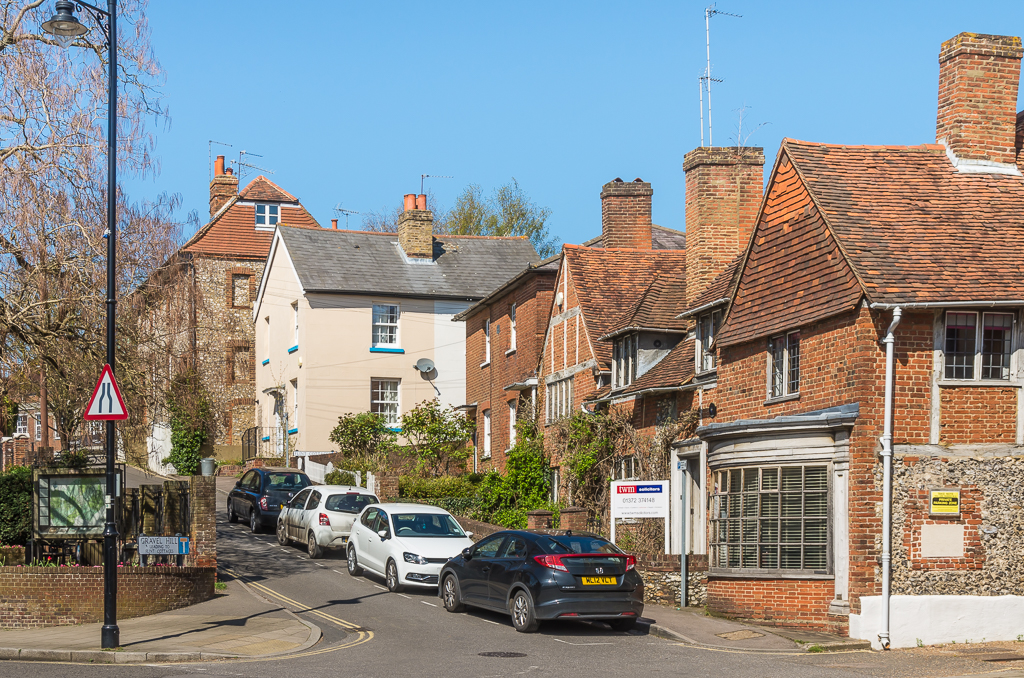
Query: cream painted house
<point>343,317</point>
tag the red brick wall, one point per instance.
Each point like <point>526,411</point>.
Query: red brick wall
<point>32,597</point>
<point>626,214</point>
<point>978,415</point>
<point>786,602</point>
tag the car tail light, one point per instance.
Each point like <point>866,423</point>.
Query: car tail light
<point>628,614</point>
<point>263,503</point>
<point>554,562</point>
<point>324,520</point>
<point>630,563</point>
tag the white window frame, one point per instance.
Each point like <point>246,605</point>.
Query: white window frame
<point>270,218</point>
<point>295,404</point>
<point>977,361</point>
<point>55,433</point>
<point>512,328</point>
<point>375,324</point>
<point>553,487</point>
<point>708,325</point>
<point>487,343</point>
<point>513,408</point>
<point>487,435</point>
<point>626,468</point>
<point>396,404</point>
<point>21,424</point>
<point>39,427</point>
<point>625,355</point>
<point>780,347</point>
<point>559,399</point>
<point>295,313</point>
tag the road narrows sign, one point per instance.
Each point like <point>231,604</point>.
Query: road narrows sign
<point>106,403</point>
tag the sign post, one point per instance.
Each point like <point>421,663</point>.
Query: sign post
<point>640,499</point>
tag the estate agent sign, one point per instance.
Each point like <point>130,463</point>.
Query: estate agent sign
<point>640,499</point>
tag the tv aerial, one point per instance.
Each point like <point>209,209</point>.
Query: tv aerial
<point>245,168</point>
<point>339,210</point>
<point>706,79</point>
<point>432,176</point>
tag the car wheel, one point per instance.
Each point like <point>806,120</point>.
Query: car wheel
<point>282,534</point>
<point>312,547</point>
<point>451,596</point>
<point>392,577</point>
<point>254,521</point>
<point>622,624</point>
<point>232,516</point>
<point>353,564</point>
<point>522,613</point>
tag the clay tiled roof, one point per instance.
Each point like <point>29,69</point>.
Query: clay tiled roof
<point>721,287</point>
<point>673,371</point>
<point>264,190</point>
<point>232,232</point>
<point>657,308</point>
<point>661,239</point>
<point>609,279</point>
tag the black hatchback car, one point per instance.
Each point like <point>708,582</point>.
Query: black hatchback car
<point>535,576</point>
<point>259,495</point>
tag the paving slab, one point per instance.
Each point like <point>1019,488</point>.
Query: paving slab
<point>694,627</point>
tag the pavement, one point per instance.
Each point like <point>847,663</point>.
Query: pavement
<point>238,623</point>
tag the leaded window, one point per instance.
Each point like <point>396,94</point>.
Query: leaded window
<point>707,327</point>
<point>784,365</point>
<point>965,335</point>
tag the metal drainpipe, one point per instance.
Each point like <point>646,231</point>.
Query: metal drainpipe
<point>890,350</point>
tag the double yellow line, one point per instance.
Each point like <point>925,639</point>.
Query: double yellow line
<point>361,635</point>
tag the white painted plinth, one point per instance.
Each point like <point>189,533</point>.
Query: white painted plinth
<point>940,619</point>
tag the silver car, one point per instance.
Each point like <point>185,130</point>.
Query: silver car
<point>321,516</point>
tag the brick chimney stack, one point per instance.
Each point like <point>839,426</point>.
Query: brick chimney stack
<point>724,187</point>
<point>223,187</point>
<point>626,214</point>
<point>978,80</point>
<point>416,228</point>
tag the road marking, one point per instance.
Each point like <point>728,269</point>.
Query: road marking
<point>559,640</point>
<point>380,587</point>
<point>335,572</point>
<point>405,596</point>
<point>426,603</point>
<point>319,565</point>
<point>491,622</point>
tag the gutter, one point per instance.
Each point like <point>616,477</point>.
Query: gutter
<point>712,304</point>
<point>638,328</point>
<point>890,350</point>
<point>944,304</point>
<point>643,392</point>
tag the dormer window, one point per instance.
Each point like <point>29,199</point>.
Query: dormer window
<point>707,327</point>
<point>624,358</point>
<point>267,216</point>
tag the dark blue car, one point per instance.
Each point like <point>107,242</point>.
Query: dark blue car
<point>259,495</point>
<point>538,575</point>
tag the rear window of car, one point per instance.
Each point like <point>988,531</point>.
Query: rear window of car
<point>349,503</point>
<point>578,544</point>
<point>287,481</point>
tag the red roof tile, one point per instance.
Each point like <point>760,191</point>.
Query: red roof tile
<point>658,307</point>
<point>721,287</point>
<point>263,189</point>
<point>232,232</point>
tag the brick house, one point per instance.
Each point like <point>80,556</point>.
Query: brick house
<point>856,251</point>
<point>504,335</point>
<point>201,303</point>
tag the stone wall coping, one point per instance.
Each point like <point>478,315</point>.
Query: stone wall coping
<point>98,570</point>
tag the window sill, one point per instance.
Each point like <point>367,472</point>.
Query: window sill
<point>706,373</point>
<point>484,364</point>
<point>395,429</point>
<point>292,431</point>
<point>782,399</point>
<point>266,361</point>
<point>486,455</point>
<point>293,349</point>
<point>265,439</point>
<point>510,351</point>
<point>978,383</point>
<point>739,573</point>
<point>381,349</point>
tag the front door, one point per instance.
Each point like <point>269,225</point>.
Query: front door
<point>474,584</point>
<point>376,545</point>
<point>504,568</point>
<point>293,511</point>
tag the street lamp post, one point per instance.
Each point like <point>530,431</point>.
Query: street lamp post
<point>65,27</point>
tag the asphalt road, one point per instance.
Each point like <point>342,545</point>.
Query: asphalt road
<point>371,633</point>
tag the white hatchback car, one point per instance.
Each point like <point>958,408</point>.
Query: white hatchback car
<point>407,544</point>
<point>321,516</point>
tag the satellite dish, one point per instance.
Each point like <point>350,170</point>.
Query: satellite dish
<point>425,365</point>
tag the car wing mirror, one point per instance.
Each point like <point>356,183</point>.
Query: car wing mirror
<point>383,534</point>
<point>469,535</point>
<point>467,553</point>
<point>238,483</point>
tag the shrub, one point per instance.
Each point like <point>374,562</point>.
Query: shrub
<point>337,477</point>
<point>438,435</point>
<point>15,505</point>
<point>191,416</point>
<point>524,486</point>
<point>411,487</point>
<point>364,440</point>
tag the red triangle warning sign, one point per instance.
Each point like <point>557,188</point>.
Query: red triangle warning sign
<point>106,403</point>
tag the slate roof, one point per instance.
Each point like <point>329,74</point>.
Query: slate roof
<point>609,279</point>
<point>361,262</point>
<point>657,308</point>
<point>661,239</point>
<point>547,267</point>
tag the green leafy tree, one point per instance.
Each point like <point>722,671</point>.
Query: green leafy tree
<point>191,418</point>
<point>507,212</point>
<point>438,435</point>
<point>15,505</point>
<point>365,440</point>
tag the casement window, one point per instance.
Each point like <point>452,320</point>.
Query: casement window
<point>553,485</point>
<point>784,365</point>
<point>39,428</point>
<point>559,400</point>
<point>240,290</point>
<point>626,468</point>
<point>295,318</point>
<point>267,216</point>
<point>295,404</point>
<point>487,434</point>
<point>22,425</point>
<point>978,344</point>
<point>512,328</point>
<point>771,518</point>
<point>624,358</point>
<point>385,325</point>
<point>384,400</point>
<point>512,408</point>
<point>266,337</point>
<point>487,342</point>
<point>707,327</point>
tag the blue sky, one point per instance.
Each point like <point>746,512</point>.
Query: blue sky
<point>350,102</point>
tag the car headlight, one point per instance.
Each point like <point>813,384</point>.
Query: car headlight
<point>413,558</point>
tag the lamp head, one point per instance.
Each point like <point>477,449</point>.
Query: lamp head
<point>64,25</point>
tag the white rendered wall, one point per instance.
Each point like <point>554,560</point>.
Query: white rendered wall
<point>450,352</point>
<point>940,619</point>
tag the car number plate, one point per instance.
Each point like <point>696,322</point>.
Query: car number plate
<point>281,507</point>
<point>599,580</point>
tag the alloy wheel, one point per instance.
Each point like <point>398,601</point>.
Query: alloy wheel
<point>449,593</point>
<point>520,610</point>
<point>392,577</point>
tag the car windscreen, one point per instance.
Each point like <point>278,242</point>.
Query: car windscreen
<point>426,525</point>
<point>349,503</point>
<point>286,481</point>
<point>577,544</point>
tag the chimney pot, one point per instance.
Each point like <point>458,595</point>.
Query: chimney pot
<point>416,228</point>
<point>421,202</point>
<point>229,171</point>
<point>223,187</point>
<point>410,201</point>
<point>334,224</point>
<point>218,166</point>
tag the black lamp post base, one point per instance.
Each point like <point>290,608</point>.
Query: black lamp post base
<point>110,637</point>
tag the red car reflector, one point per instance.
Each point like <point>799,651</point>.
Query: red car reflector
<point>629,614</point>
<point>569,614</point>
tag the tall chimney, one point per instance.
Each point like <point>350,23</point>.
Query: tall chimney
<point>416,228</point>
<point>724,187</point>
<point>626,214</point>
<point>223,187</point>
<point>334,224</point>
<point>978,80</point>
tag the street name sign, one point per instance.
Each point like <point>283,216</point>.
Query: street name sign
<point>106,403</point>
<point>163,546</point>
